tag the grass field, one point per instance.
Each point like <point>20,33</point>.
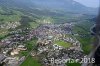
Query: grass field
<point>63,44</point>
<point>30,61</point>
<point>23,53</point>
<point>31,44</point>
<point>73,64</point>
<point>84,40</point>
<point>86,44</point>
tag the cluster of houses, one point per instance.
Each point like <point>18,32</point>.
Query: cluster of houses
<point>53,30</point>
<point>10,61</point>
<point>11,46</point>
<point>57,55</point>
<point>10,25</point>
<point>47,35</point>
<point>10,55</point>
<point>53,33</point>
<point>17,50</point>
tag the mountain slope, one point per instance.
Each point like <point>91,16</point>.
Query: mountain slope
<point>64,5</point>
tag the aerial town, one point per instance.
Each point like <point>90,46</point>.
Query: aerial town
<point>49,32</point>
<point>54,46</point>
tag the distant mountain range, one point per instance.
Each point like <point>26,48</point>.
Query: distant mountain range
<point>62,5</point>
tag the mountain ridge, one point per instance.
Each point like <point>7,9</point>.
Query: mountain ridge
<point>65,5</point>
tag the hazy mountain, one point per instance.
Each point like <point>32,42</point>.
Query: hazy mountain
<point>16,3</point>
<point>64,5</point>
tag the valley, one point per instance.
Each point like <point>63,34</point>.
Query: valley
<point>47,35</point>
